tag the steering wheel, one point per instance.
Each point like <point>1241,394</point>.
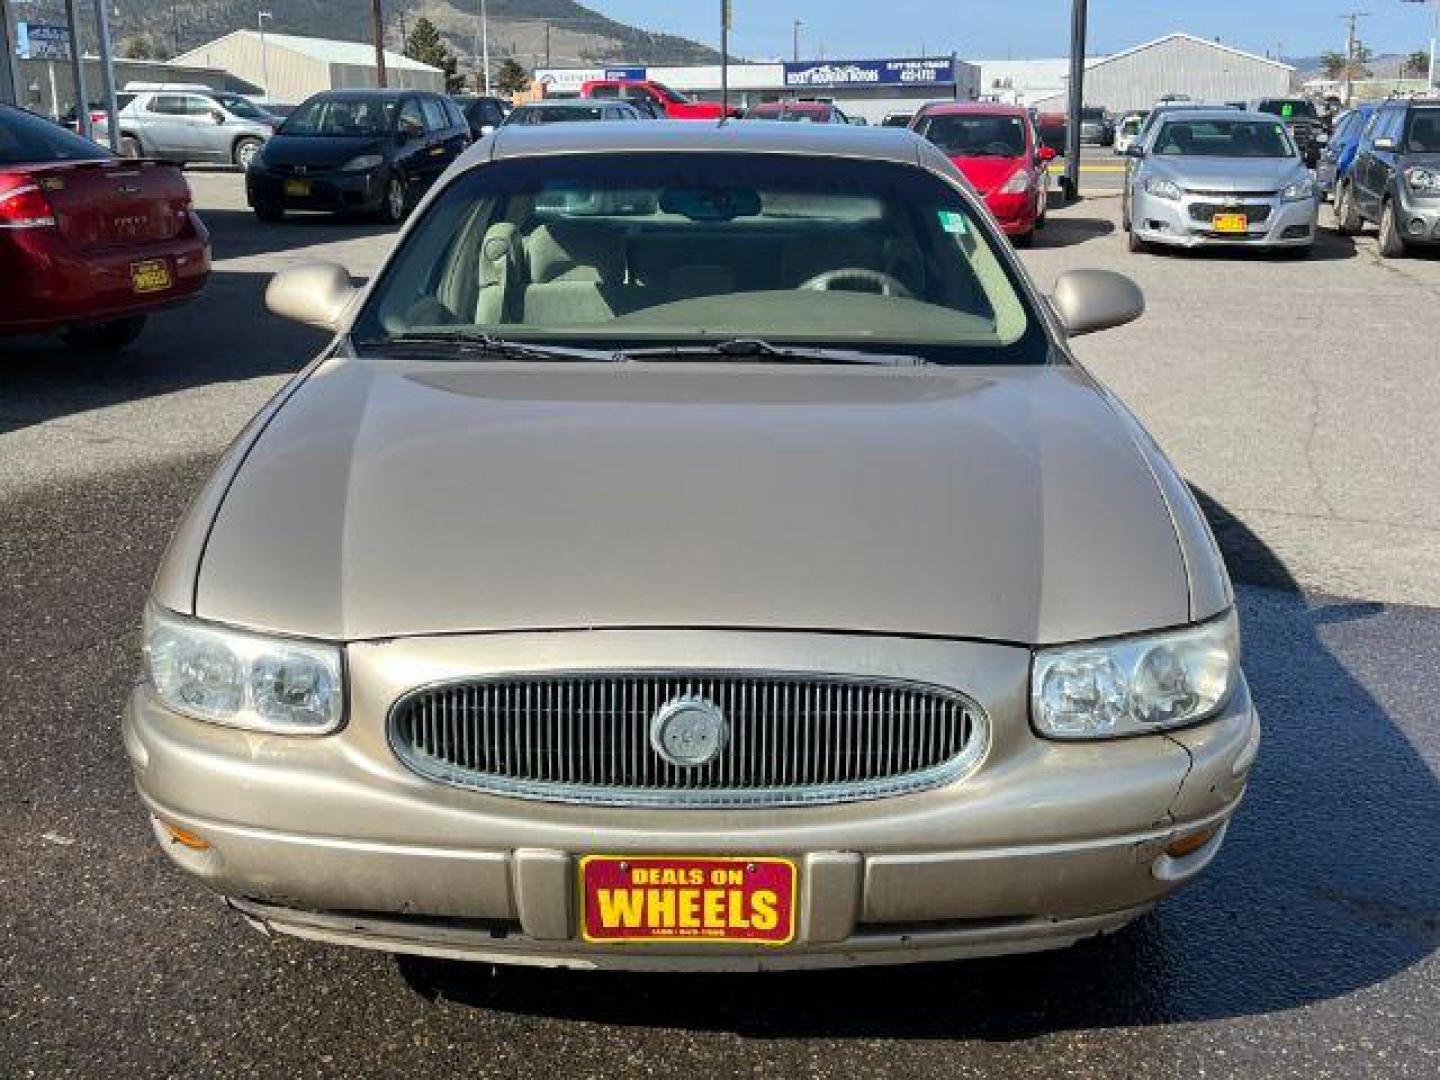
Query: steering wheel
<point>884,284</point>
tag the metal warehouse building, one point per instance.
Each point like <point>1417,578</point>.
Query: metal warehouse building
<point>288,69</point>
<point>1179,64</point>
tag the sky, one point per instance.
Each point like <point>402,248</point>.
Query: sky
<point>1028,29</point>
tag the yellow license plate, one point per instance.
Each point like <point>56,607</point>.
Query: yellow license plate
<point>150,276</point>
<point>1230,223</point>
<point>632,900</point>
<point>299,188</point>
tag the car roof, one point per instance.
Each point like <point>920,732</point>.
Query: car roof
<point>810,106</point>
<point>987,108</point>
<point>1219,112</point>
<point>698,136</point>
<point>368,92</point>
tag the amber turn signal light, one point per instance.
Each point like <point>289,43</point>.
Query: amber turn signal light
<point>1187,845</point>
<point>187,839</point>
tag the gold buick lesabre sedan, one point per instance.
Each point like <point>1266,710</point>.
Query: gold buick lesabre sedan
<point>696,549</point>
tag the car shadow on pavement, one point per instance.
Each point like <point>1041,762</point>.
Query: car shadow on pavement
<point>1063,232</point>
<point>1324,886</point>
<point>1329,246</point>
<point>237,234</point>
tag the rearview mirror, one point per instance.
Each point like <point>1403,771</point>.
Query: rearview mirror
<point>1091,300</point>
<point>317,294</point>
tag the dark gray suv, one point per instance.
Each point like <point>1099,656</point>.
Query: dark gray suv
<point>1395,181</point>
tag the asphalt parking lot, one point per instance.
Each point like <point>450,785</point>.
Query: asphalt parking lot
<point>1297,397</point>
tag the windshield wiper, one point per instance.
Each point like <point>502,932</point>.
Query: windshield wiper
<point>761,351</point>
<point>489,345</point>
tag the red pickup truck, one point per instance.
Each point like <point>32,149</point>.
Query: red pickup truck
<point>655,99</point>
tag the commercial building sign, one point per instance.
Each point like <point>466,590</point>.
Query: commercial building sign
<point>625,74</point>
<point>41,41</point>
<point>925,72</point>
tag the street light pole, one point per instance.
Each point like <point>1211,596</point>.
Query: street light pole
<point>1079,19</point>
<point>377,31</point>
<point>798,25</point>
<point>485,43</point>
<point>260,17</point>
<point>107,75</point>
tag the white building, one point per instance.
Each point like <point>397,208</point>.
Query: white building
<point>297,67</point>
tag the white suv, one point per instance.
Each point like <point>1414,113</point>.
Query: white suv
<point>191,124</point>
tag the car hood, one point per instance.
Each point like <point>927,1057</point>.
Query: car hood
<point>1229,174</point>
<point>391,498</point>
<point>318,151</point>
<point>988,173</point>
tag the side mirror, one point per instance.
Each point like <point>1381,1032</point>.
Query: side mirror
<point>1135,150</point>
<point>1047,153</point>
<point>1386,143</point>
<point>487,129</point>
<point>1091,300</point>
<point>217,116</point>
<point>316,294</point>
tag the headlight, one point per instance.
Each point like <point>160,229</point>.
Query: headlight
<point>244,680</point>
<point>1019,182</point>
<point>1134,686</point>
<point>363,162</point>
<point>1163,189</point>
<point>1422,179</point>
<point>1300,190</point>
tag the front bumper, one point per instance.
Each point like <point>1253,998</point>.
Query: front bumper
<point>1181,224</point>
<point>336,192</point>
<point>1418,217</point>
<point>332,838</point>
<point>1017,215</point>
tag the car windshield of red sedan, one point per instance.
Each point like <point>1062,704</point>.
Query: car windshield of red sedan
<point>629,250</point>
<point>342,116</point>
<point>26,139</point>
<point>976,135</point>
<point>1224,138</point>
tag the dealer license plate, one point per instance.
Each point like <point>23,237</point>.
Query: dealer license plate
<point>638,899</point>
<point>1230,223</point>
<point>152,275</point>
<point>298,188</point>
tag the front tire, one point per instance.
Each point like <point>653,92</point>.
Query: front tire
<point>105,337</point>
<point>130,147</point>
<point>1347,216</point>
<point>1133,242</point>
<point>1392,244</point>
<point>395,204</point>
<point>245,151</point>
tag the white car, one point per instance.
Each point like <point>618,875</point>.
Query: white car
<point>189,124</point>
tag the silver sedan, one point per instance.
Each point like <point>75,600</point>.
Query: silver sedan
<point>1207,178</point>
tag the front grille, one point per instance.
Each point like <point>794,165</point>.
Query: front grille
<point>1255,212</point>
<point>792,739</point>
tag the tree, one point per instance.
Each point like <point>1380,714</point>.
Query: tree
<point>1332,64</point>
<point>426,45</point>
<point>511,79</point>
<point>1417,64</point>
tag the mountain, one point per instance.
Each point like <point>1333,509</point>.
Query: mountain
<point>569,33</point>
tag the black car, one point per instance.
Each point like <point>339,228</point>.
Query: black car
<point>357,151</point>
<point>571,111</point>
<point>1395,180</point>
<point>1310,132</point>
<point>483,114</point>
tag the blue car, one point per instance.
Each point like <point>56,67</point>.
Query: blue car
<point>1339,155</point>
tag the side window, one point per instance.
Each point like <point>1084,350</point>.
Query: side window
<point>434,114</point>
<point>412,118</point>
<point>605,90</point>
<point>200,106</point>
<point>167,105</point>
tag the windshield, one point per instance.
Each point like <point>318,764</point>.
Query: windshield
<point>26,138</point>
<point>795,114</point>
<point>356,117</point>
<point>672,96</point>
<point>241,106</point>
<point>1424,134</point>
<point>554,114</point>
<point>1224,138</point>
<point>1092,114</point>
<point>964,135</point>
<point>653,249</point>
<point>1289,108</point>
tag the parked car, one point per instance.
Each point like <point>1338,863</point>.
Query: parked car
<point>484,114</point>
<point>673,104</point>
<point>996,147</point>
<point>1128,130</point>
<point>1053,129</point>
<point>1220,177</point>
<point>528,624</point>
<point>1339,155</point>
<point>70,118</point>
<point>570,111</point>
<point>1097,127</point>
<point>897,119</point>
<point>1167,106</point>
<point>357,151</point>
<point>187,125</point>
<point>1309,131</point>
<point>806,112</point>
<point>90,244</point>
<point>1395,179</point>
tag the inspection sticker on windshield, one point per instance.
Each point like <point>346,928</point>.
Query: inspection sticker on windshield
<point>953,222</point>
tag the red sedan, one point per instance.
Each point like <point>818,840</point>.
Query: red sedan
<point>996,147</point>
<point>90,243</point>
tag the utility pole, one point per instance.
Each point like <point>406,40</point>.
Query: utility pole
<point>547,44</point>
<point>1079,20</point>
<point>727,15</point>
<point>260,17</point>
<point>485,42</point>
<point>1434,35</point>
<point>1352,18</point>
<point>377,31</point>
<point>77,73</point>
<point>107,75</point>
<point>798,25</point>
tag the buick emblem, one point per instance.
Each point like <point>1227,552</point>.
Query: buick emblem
<point>689,731</point>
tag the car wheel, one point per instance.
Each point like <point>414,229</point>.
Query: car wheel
<point>393,208</point>
<point>267,212</point>
<point>1134,243</point>
<point>245,151</point>
<point>1025,239</point>
<point>105,337</point>
<point>1392,244</point>
<point>1347,217</point>
<point>130,147</point>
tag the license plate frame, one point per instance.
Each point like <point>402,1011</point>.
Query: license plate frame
<point>150,276</point>
<point>298,189</point>
<point>1230,223</point>
<point>740,915</point>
